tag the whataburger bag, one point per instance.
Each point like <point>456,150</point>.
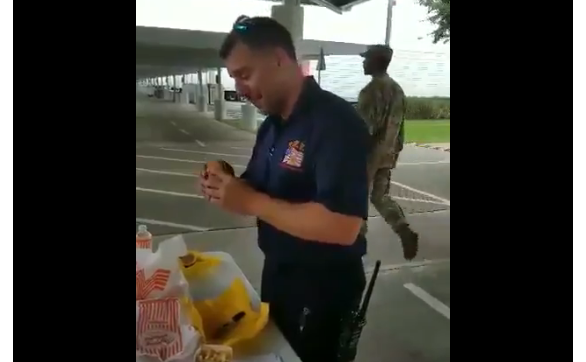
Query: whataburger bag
<point>158,275</point>
<point>168,327</point>
<point>164,332</point>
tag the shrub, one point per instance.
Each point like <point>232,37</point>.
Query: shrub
<point>428,108</point>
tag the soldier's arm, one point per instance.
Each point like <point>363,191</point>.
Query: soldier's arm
<point>400,137</point>
<point>367,108</point>
<point>388,132</point>
<point>398,122</point>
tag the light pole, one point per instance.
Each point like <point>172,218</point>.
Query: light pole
<point>390,5</point>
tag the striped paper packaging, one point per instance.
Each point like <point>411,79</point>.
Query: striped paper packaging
<point>164,332</point>
<point>158,274</point>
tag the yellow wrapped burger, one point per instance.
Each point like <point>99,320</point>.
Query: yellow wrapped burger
<point>230,309</point>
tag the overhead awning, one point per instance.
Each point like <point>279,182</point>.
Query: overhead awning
<point>164,51</point>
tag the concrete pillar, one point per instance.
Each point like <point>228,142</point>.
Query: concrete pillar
<point>249,116</point>
<point>291,15</point>
<point>192,95</point>
<point>184,95</point>
<point>175,94</point>
<point>201,99</point>
<point>219,103</point>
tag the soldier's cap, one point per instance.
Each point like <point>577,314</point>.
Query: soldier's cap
<point>379,50</point>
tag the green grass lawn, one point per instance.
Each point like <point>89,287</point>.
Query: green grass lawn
<point>420,131</point>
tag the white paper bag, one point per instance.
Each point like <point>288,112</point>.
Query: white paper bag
<point>164,329</point>
<point>164,332</point>
<point>158,274</point>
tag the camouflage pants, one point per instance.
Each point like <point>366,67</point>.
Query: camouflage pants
<point>380,197</point>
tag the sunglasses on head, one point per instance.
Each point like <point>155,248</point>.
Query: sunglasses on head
<point>242,23</point>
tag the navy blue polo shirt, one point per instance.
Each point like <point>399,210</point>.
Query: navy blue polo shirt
<point>318,155</point>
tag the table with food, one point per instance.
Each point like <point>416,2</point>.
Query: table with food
<point>199,306</point>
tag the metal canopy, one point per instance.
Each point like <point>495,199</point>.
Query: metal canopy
<point>163,51</point>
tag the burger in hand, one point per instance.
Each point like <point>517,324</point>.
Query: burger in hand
<point>220,186</point>
<point>217,167</point>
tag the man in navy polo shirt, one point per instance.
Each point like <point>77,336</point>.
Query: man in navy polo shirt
<point>307,184</point>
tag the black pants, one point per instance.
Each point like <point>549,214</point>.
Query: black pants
<point>309,303</point>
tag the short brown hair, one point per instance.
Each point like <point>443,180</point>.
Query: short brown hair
<point>258,33</point>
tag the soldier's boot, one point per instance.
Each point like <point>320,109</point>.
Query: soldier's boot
<point>409,240</point>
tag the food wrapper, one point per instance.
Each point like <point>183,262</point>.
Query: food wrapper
<point>164,332</point>
<point>159,276</point>
<point>230,308</point>
<point>214,353</point>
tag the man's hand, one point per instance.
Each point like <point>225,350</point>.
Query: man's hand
<point>216,167</point>
<point>229,192</point>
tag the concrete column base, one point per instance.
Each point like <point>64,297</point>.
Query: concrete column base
<point>183,97</point>
<point>202,104</point>
<point>249,116</point>
<point>219,109</point>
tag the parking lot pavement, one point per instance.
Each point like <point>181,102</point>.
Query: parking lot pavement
<point>166,192</point>
<point>409,316</point>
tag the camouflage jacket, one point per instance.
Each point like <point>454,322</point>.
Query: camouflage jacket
<point>382,106</point>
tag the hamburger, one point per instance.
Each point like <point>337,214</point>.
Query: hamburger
<point>218,166</point>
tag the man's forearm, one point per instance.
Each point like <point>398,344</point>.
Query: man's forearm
<point>310,221</point>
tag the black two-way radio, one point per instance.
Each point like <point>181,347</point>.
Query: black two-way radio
<point>355,323</point>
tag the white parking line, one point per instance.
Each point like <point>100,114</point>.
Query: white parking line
<point>178,160</point>
<point>443,162</point>
<point>174,124</point>
<point>170,173</point>
<point>170,159</point>
<point>169,193</point>
<point>440,201</point>
<point>408,265</point>
<point>418,200</point>
<point>203,152</point>
<point>200,143</point>
<point>183,131</point>
<point>430,300</point>
<point>180,174</point>
<point>445,201</point>
<point>242,148</point>
<point>170,224</point>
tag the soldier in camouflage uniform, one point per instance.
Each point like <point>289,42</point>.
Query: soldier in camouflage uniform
<point>382,105</point>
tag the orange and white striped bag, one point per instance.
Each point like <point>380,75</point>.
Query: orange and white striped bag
<point>159,276</point>
<point>164,332</point>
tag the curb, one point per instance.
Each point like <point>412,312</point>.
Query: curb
<point>424,145</point>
